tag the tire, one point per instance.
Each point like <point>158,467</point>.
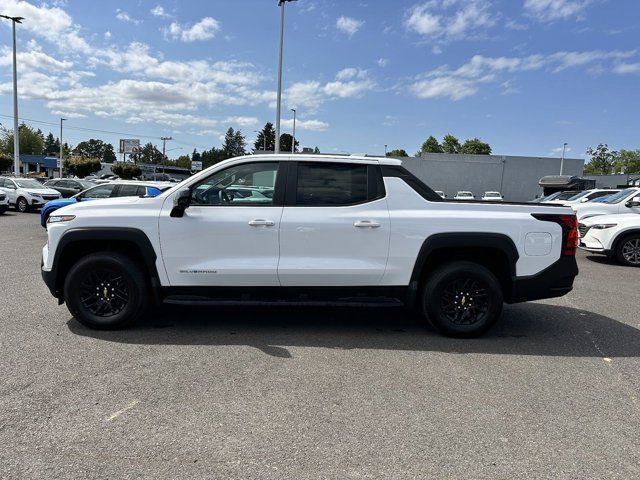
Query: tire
<point>628,250</point>
<point>120,286</point>
<point>22,205</point>
<point>451,310</point>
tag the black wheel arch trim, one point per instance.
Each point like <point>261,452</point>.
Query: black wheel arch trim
<point>439,241</point>
<point>85,234</point>
<point>621,236</point>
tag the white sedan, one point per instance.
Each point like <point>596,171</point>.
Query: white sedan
<point>464,195</point>
<point>617,236</point>
<point>626,201</point>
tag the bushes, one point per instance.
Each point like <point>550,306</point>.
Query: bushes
<point>126,170</point>
<point>6,162</point>
<point>81,167</point>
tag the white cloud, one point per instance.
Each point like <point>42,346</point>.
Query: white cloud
<point>625,68</point>
<point>158,11</point>
<point>348,25</point>
<point>449,19</point>
<point>310,125</point>
<point>348,83</point>
<point>466,79</point>
<point>383,62</point>
<point>550,10</point>
<point>205,29</point>
<point>125,17</point>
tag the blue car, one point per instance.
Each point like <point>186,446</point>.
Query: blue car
<point>105,190</point>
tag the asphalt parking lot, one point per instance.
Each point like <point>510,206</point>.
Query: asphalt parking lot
<point>552,392</point>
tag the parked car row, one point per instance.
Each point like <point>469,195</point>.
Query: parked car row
<point>490,196</point>
<point>611,226</point>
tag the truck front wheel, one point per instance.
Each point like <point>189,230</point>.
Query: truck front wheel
<point>462,299</point>
<point>106,291</point>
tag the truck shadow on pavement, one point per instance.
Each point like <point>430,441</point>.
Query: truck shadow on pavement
<point>525,329</point>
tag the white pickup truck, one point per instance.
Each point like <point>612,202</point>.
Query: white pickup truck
<point>308,229</point>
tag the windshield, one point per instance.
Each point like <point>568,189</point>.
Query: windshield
<point>618,197</point>
<point>86,184</point>
<point>491,194</point>
<point>465,194</point>
<point>580,195</point>
<point>28,183</point>
<point>565,195</point>
<point>550,197</point>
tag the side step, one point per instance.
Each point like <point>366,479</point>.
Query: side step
<point>302,300</point>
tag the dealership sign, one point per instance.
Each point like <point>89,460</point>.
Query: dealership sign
<point>129,145</point>
<point>196,166</point>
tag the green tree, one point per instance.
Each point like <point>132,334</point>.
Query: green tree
<point>316,150</point>
<point>95,148</point>
<point>31,141</point>
<point>450,144</point>
<point>6,162</point>
<point>126,170</point>
<point>627,161</point>
<point>285,143</point>
<point>430,145</point>
<point>234,143</point>
<point>195,156</point>
<point>51,145</point>
<point>398,152</point>
<point>183,161</point>
<point>149,153</point>
<point>213,156</point>
<point>475,146</point>
<point>82,166</point>
<point>602,160</point>
<point>268,133</point>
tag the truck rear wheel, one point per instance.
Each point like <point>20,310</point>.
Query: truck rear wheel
<point>106,291</point>
<point>462,299</point>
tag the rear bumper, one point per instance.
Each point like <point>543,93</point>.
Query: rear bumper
<point>554,281</point>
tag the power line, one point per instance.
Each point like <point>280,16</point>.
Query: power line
<point>95,130</point>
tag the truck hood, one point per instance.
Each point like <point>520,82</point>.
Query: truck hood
<point>102,203</point>
<point>616,218</point>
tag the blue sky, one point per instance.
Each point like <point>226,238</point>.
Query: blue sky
<point>523,75</point>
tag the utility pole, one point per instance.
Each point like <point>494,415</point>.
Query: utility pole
<point>564,146</point>
<point>279,94</point>
<point>16,132</point>
<point>61,120</point>
<point>293,140</point>
<point>164,146</point>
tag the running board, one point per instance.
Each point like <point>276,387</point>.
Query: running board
<point>255,302</point>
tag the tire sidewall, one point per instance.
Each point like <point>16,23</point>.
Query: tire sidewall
<point>22,201</point>
<point>621,243</point>
<point>438,281</point>
<point>134,282</point>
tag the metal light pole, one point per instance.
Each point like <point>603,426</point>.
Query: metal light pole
<point>61,120</point>
<point>293,141</point>
<point>164,146</point>
<point>16,133</point>
<point>564,146</point>
<point>279,94</point>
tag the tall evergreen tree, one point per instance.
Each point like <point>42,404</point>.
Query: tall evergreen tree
<point>450,144</point>
<point>285,143</point>
<point>268,133</point>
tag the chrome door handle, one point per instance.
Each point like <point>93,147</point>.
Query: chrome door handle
<point>366,224</point>
<point>261,223</point>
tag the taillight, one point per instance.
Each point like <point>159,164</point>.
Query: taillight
<point>569,225</point>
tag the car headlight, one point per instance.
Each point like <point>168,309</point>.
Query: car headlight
<point>603,226</point>
<point>60,218</point>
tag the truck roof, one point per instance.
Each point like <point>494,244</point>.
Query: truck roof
<point>304,157</point>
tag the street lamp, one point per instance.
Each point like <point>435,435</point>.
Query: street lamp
<point>293,140</point>
<point>564,146</point>
<point>16,134</point>
<point>279,95</point>
<point>164,146</point>
<point>61,120</point>
<point>385,149</point>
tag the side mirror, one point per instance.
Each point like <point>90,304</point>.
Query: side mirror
<point>634,202</point>
<point>181,202</point>
<point>584,200</point>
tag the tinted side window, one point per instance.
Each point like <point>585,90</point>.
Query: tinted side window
<point>248,184</point>
<point>103,191</point>
<point>331,184</point>
<point>129,191</point>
